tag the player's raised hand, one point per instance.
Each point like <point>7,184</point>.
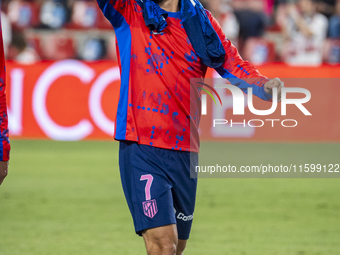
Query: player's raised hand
<point>3,170</point>
<point>274,83</point>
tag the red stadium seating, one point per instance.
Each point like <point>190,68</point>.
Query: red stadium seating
<point>58,47</point>
<point>35,43</point>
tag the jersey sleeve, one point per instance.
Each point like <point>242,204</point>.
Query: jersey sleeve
<point>238,71</point>
<point>118,12</point>
<point>4,138</point>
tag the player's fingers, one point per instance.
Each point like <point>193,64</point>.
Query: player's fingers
<point>276,83</point>
<point>272,83</point>
<point>280,85</point>
<point>279,93</point>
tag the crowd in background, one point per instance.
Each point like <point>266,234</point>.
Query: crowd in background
<point>298,32</point>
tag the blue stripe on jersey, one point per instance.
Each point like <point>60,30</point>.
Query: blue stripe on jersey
<point>3,137</point>
<point>123,34</point>
<point>242,84</point>
<point>1,151</point>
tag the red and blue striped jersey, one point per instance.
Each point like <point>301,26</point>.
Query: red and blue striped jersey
<point>4,142</point>
<point>154,102</point>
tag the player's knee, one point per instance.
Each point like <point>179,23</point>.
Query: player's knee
<point>166,246</point>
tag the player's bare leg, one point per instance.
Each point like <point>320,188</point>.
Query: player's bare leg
<point>162,240</point>
<point>181,246</point>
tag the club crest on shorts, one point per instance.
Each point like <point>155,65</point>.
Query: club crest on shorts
<point>150,208</point>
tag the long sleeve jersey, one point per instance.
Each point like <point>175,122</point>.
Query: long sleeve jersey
<point>4,142</point>
<point>154,102</point>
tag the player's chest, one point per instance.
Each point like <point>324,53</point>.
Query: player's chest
<point>172,44</point>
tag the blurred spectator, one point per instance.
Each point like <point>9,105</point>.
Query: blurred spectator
<point>23,14</point>
<point>20,52</point>
<point>326,7</point>
<point>6,31</point>
<point>53,14</point>
<point>259,51</point>
<point>251,17</point>
<point>94,49</point>
<point>223,13</point>
<point>282,12</point>
<point>331,51</point>
<point>263,6</point>
<point>85,14</point>
<point>305,31</point>
<point>334,23</point>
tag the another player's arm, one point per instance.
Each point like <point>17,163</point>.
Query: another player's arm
<point>235,66</point>
<point>4,140</point>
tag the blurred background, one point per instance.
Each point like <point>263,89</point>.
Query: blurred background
<point>298,32</point>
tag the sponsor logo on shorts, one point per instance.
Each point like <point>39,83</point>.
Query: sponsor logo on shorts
<point>150,208</point>
<point>183,217</point>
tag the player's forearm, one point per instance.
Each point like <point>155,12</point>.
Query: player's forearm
<point>246,75</point>
<point>253,79</point>
<point>236,70</point>
<point>239,67</point>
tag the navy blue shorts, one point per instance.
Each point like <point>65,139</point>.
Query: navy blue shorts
<point>158,187</point>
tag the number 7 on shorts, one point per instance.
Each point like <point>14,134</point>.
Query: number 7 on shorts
<point>149,206</point>
<point>149,180</point>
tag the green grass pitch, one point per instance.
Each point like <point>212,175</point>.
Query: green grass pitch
<point>66,198</point>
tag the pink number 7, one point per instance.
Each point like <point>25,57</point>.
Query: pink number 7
<point>149,179</point>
